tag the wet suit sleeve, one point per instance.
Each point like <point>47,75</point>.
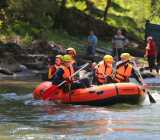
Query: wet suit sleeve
<point>58,77</point>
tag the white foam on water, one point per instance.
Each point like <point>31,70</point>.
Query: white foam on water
<point>146,101</point>
<point>14,96</point>
<point>34,102</point>
<point>9,95</point>
<point>156,96</point>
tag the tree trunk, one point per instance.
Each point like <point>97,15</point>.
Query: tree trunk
<point>108,5</point>
<point>59,15</point>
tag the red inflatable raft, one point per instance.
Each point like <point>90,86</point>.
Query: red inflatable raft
<point>96,95</point>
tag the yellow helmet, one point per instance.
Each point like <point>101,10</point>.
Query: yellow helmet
<point>59,56</point>
<point>125,56</point>
<point>67,58</point>
<point>108,58</point>
<point>73,50</point>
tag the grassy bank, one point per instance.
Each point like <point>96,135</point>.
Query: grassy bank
<point>59,37</point>
<point>77,42</point>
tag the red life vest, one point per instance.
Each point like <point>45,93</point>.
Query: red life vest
<point>151,49</point>
<point>102,71</point>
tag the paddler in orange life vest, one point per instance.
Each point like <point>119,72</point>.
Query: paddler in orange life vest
<point>72,52</point>
<point>64,73</point>
<point>124,68</point>
<point>53,68</point>
<point>104,70</point>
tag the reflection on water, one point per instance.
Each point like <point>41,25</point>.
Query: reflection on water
<point>22,118</point>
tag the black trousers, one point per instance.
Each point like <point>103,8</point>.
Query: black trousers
<point>117,52</point>
<point>152,63</point>
<point>108,80</point>
<point>82,83</point>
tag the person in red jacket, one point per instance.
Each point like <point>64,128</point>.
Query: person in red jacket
<point>151,54</point>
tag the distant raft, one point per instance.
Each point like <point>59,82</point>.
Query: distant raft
<point>101,95</point>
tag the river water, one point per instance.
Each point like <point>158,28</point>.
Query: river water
<point>22,118</point>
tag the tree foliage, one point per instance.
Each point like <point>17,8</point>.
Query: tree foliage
<point>128,14</point>
<point>37,15</point>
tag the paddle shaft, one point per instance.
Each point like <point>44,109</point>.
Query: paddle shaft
<point>85,65</point>
<point>48,92</point>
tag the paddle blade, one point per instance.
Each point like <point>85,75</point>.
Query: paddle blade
<point>152,100</point>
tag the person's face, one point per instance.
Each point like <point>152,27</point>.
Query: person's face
<point>67,64</point>
<point>119,32</point>
<point>149,40</point>
<point>93,65</point>
<point>123,59</point>
<point>91,33</point>
<point>108,62</point>
<point>70,53</point>
<point>58,61</point>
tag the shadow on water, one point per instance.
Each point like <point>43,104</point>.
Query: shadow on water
<point>21,117</point>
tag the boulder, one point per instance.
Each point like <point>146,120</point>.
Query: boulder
<point>44,47</point>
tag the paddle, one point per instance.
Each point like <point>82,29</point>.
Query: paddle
<point>49,91</point>
<point>116,54</point>
<point>152,86</point>
<point>152,100</point>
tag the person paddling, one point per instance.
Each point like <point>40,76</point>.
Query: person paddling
<point>53,68</point>
<point>72,52</point>
<point>124,69</point>
<point>65,72</point>
<point>104,70</point>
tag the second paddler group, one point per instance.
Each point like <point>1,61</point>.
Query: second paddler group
<point>103,72</point>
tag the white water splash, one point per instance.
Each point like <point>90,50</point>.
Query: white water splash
<point>33,102</point>
<point>156,96</point>
<point>14,96</point>
<point>146,101</point>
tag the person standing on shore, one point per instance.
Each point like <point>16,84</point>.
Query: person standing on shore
<point>119,42</point>
<point>92,43</point>
<point>151,54</point>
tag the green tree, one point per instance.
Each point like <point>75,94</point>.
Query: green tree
<point>59,14</point>
<point>155,10</point>
<point>38,13</point>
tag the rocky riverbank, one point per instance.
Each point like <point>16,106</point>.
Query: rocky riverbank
<point>31,61</point>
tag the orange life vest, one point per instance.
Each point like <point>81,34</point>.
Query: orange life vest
<point>123,72</point>
<point>102,71</point>
<point>52,70</point>
<point>68,72</point>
